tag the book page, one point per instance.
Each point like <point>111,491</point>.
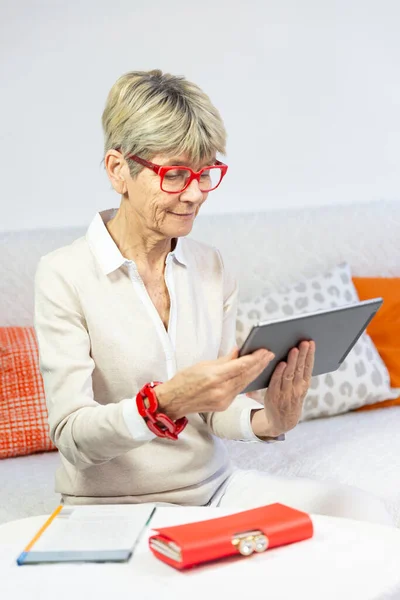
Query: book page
<point>94,528</point>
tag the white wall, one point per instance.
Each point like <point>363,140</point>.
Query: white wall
<point>309,91</point>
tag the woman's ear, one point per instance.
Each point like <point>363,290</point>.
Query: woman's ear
<point>116,168</point>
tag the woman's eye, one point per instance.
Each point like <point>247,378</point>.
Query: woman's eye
<point>174,174</point>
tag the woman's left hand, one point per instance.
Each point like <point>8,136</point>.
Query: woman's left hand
<point>284,397</point>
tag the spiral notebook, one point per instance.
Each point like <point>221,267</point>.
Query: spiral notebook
<point>96,533</point>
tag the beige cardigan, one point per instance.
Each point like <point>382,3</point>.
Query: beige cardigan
<point>101,338</point>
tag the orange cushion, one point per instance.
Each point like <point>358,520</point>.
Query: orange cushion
<point>23,412</point>
<point>384,328</point>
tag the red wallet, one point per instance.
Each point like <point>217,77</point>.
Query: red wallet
<point>256,530</point>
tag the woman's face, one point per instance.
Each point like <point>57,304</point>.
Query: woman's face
<point>171,215</point>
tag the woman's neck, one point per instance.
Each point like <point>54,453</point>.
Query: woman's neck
<point>147,249</point>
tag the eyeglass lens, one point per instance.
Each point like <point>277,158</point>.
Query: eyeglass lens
<point>176,180</point>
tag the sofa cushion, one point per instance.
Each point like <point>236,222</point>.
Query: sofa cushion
<point>23,412</point>
<point>384,329</point>
<point>359,448</point>
<point>27,486</point>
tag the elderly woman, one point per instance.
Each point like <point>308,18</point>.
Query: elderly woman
<point>136,330</point>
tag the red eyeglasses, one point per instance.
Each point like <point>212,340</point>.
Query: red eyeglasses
<point>175,179</point>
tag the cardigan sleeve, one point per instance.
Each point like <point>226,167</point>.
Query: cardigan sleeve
<point>86,432</point>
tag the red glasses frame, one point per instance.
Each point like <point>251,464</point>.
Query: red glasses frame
<point>162,169</point>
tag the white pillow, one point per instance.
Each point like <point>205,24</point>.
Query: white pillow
<point>361,379</point>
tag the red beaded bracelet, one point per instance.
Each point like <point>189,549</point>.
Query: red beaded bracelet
<point>157,422</point>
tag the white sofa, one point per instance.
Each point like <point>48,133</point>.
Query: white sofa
<point>269,248</point>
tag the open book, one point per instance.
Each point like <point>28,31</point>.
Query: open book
<point>96,533</point>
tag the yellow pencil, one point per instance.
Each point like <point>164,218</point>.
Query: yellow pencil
<point>21,558</point>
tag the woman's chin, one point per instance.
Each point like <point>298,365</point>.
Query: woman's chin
<point>180,224</point>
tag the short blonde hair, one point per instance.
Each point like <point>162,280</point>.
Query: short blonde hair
<point>151,112</point>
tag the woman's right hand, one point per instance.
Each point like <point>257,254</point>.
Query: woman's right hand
<point>211,385</point>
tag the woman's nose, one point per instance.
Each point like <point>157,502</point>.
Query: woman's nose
<point>192,192</point>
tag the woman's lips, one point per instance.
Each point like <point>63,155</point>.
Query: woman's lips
<point>183,215</point>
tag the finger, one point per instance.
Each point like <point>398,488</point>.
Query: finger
<point>226,365</point>
<point>255,362</point>
<point>309,363</point>
<point>288,374</point>
<point>275,383</point>
<point>234,353</point>
<point>248,371</point>
<point>260,354</point>
<point>301,361</point>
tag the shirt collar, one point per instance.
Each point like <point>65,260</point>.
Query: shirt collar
<point>106,250</point>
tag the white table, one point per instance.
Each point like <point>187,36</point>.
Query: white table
<point>345,559</point>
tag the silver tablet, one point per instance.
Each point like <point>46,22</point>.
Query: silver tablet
<point>334,331</point>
